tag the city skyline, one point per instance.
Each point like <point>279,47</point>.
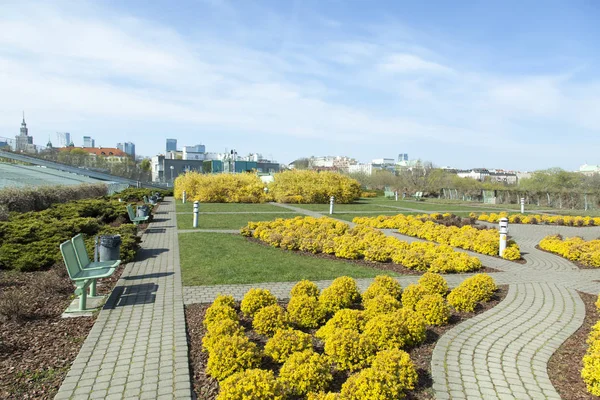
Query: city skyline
<point>507,85</point>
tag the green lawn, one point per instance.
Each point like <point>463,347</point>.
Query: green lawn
<point>359,206</point>
<point>218,258</point>
<point>227,207</point>
<point>226,221</point>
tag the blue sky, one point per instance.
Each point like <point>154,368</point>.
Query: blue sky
<point>510,85</point>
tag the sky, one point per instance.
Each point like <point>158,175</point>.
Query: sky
<point>510,84</point>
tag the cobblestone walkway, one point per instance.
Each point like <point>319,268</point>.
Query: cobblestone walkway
<point>502,353</point>
<point>137,348</point>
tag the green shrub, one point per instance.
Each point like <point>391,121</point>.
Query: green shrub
<point>40,198</point>
<point>252,384</point>
<point>255,299</point>
<point>342,293</point>
<point>349,350</point>
<point>137,194</point>
<point>285,342</point>
<point>232,354</point>
<point>269,320</point>
<point>305,372</point>
<point>305,311</point>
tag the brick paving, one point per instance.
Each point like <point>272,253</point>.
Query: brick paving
<point>137,348</point>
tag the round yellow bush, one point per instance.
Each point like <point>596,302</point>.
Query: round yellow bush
<point>224,300</point>
<point>399,366</point>
<point>597,303</point>
<point>252,384</point>
<point>343,319</point>
<point>232,354</point>
<point>269,320</point>
<point>462,299</point>
<point>482,285</point>
<point>305,311</point>
<point>305,372</point>
<point>216,313</point>
<point>382,304</point>
<point>375,384</point>
<point>415,323</point>
<point>255,299</point>
<point>349,350</point>
<point>383,284</point>
<point>305,287</point>
<point>434,309</point>
<point>434,283</point>
<point>323,396</point>
<point>218,329</point>
<point>511,253</point>
<point>285,342</point>
<point>342,293</point>
<point>412,294</point>
<point>387,331</point>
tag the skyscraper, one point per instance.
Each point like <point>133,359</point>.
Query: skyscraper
<point>88,141</point>
<point>23,141</point>
<point>63,139</point>
<point>127,147</point>
<point>171,144</point>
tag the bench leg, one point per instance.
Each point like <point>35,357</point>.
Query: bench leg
<point>93,288</point>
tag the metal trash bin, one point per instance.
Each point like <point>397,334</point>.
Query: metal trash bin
<point>153,199</point>
<point>109,248</point>
<point>142,211</point>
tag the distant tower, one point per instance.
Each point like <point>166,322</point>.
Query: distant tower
<point>63,139</point>
<point>171,145</point>
<point>402,157</point>
<point>127,147</point>
<point>88,141</point>
<point>23,141</point>
<point>49,144</point>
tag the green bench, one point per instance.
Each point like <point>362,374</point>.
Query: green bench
<point>135,219</point>
<point>418,196</point>
<point>83,272</point>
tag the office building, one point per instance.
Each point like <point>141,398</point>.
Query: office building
<point>171,145</point>
<point>63,139</point>
<point>24,142</point>
<point>88,141</point>
<point>127,147</point>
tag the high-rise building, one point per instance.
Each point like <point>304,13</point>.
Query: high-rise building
<point>403,157</point>
<point>63,139</point>
<point>23,141</point>
<point>127,147</point>
<point>171,145</point>
<point>88,141</point>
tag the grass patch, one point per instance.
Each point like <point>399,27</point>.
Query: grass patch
<point>226,221</point>
<point>218,258</point>
<point>227,207</point>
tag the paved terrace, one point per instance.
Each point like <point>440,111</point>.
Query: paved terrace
<point>137,348</point>
<point>502,353</point>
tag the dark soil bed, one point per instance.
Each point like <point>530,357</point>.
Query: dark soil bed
<point>389,266</point>
<point>564,367</point>
<point>37,346</point>
<point>207,388</point>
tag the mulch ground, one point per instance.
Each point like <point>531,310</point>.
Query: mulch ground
<point>207,388</point>
<point>388,266</point>
<point>564,367</point>
<point>37,346</point>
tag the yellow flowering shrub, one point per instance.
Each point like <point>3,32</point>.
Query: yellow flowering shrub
<point>342,293</point>
<point>382,304</point>
<point>383,284</point>
<point>251,384</point>
<point>232,354</point>
<point>305,287</point>
<point>391,376</point>
<point>224,300</point>
<point>597,304</point>
<point>255,299</point>
<point>217,329</point>
<point>217,313</point>
<point>386,331</point>
<point>415,323</point>
<point>412,294</point>
<point>305,311</point>
<point>269,320</point>
<point>591,362</point>
<point>349,350</point>
<point>434,283</point>
<point>314,187</point>
<point>343,319</point>
<point>471,291</point>
<point>434,309</point>
<point>305,372</point>
<point>285,342</point>
<point>323,396</point>
<point>574,249</point>
<point>220,188</point>
<point>512,253</point>
<point>541,219</point>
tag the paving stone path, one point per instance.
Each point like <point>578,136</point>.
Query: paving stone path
<point>137,348</point>
<point>502,353</point>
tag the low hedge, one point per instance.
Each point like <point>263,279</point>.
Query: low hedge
<point>137,194</point>
<point>30,241</point>
<point>41,198</point>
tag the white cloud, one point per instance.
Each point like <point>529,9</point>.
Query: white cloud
<point>409,63</point>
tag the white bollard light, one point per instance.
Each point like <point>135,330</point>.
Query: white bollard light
<point>183,197</point>
<point>196,206</point>
<point>331,200</point>
<point>396,194</point>
<point>503,235</point>
<point>266,189</point>
<point>522,205</point>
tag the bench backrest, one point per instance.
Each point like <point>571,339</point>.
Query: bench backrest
<point>80,250</point>
<point>70,257</point>
<point>146,199</point>
<point>130,212</point>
